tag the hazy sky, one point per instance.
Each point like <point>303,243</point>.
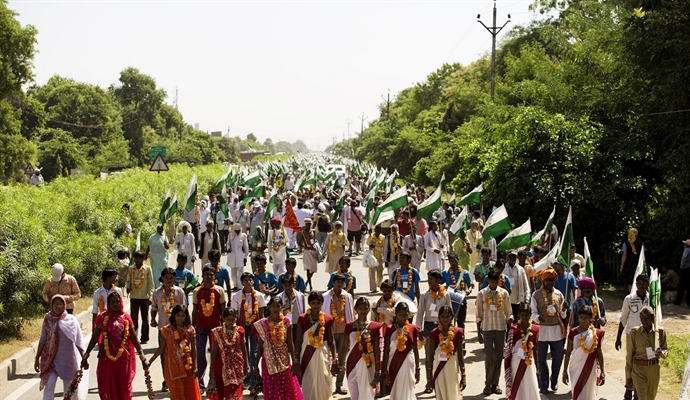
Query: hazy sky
<point>284,70</point>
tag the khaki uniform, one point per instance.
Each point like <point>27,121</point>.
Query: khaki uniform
<point>645,371</point>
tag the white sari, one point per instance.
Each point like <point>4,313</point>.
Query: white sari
<point>529,387</point>
<point>316,379</point>
<point>403,386</point>
<point>577,364</point>
<point>447,383</point>
<point>358,379</point>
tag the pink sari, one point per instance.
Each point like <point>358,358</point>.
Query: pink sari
<point>276,369</point>
<point>115,377</point>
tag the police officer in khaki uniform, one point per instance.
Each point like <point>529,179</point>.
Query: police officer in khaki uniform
<point>643,355</point>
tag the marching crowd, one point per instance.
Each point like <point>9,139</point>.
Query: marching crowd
<point>271,332</point>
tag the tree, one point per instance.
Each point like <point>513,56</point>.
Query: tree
<point>230,148</point>
<point>59,152</point>
<point>268,143</point>
<point>16,52</point>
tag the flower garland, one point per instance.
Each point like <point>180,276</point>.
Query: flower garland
<point>73,385</point>
<point>447,345</point>
<point>149,384</point>
<point>395,243</point>
<point>334,311</point>
<point>401,336</point>
<point>595,309</point>
<point>230,341</point>
<point>277,244</point>
<point>546,302</point>
<point>184,349</point>
<point>490,299</point>
<point>350,281</point>
<point>333,243</point>
<point>364,341</point>
<point>106,341</point>
<point>207,308</point>
<point>439,294</point>
<point>137,286</point>
<point>250,317</point>
<point>595,341</point>
<point>101,304</point>
<point>277,333</point>
<point>389,304</point>
<point>410,275</point>
<point>527,345</point>
<point>316,341</point>
<point>377,245</point>
<point>168,303</point>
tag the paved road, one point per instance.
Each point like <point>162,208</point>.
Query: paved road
<point>26,385</point>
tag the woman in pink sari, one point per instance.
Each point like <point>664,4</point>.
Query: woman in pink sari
<point>276,348</point>
<point>228,357</point>
<point>116,359</point>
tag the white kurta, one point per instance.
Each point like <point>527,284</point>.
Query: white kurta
<point>358,379</point>
<point>577,364</point>
<point>238,249</point>
<point>185,244</point>
<point>433,242</point>
<point>416,254</point>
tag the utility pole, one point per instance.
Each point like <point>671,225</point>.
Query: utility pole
<point>388,104</point>
<point>362,118</point>
<point>175,99</point>
<point>348,122</point>
<point>493,30</point>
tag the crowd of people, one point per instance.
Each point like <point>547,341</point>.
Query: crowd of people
<point>271,331</point>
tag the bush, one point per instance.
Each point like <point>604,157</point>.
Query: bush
<point>79,223</point>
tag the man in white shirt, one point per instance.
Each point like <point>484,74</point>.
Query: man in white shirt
<point>185,243</point>
<point>434,247</point>
<point>238,249</point>
<point>630,318</point>
<point>518,282</point>
<point>277,243</point>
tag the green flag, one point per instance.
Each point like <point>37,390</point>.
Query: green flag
<point>655,295</point>
<point>257,192</point>
<point>461,223</point>
<point>432,203</point>
<point>164,208</point>
<point>567,241</point>
<point>473,197</point>
<point>252,179</point>
<point>190,196</point>
<point>172,210</point>
<point>272,201</point>
<point>517,238</point>
<point>396,200</point>
<point>589,265</point>
<point>547,228</point>
<point>223,201</point>
<point>452,200</point>
<point>641,268</point>
<point>497,224</point>
<point>369,202</point>
<point>339,207</point>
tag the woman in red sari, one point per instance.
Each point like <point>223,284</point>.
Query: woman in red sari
<point>228,358</point>
<point>178,342</point>
<point>116,358</point>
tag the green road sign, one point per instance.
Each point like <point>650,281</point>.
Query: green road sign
<point>155,150</point>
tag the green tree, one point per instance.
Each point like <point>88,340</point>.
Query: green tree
<point>59,152</point>
<point>16,52</point>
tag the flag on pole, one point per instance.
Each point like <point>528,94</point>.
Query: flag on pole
<point>223,201</point>
<point>396,200</point>
<point>461,223</point>
<point>641,268</point>
<point>547,228</point>
<point>290,220</point>
<point>341,204</point>
<point>272,201</point>
<point>589,265</point>
<point>138,245</point>
<point>164,208</point>
<point>473,197</point>
<point>567,241</point>
<point>432,203</point>
<point>517,238</point>
<point>369,203</point>
<point>190,196</point>
<point>172,209</point>
<point>655,298</point>
<point>498,223</point>
<point>257,192</point>
<point>452,200</point>
<point>252,179</point>
<point>548,259</point>
<point>223,179</point>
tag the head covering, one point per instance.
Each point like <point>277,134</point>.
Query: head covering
<point>687,242</point>
<point>548,273</point>
<point>338,223</point>
<point>632,237</point>
<point>587,282</point>
<point>307,220</point>
<point>513,253</point>
<point>257,204</point>
<point>237,227</point>
<point>58,270</point>
<point>183,224</point>
<point>275,220</point>
<point>206,198</point>
<point>51,324</point>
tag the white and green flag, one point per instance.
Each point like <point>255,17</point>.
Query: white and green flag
<point>589,265</point>
<point>567,241</point>
<point>396,200</point>
<point>641,268</point>
<point>432,203</point>
<point>461,223</point>
<point>172,210</point>
<point>164,208</point>
<point>452,200</point>
<point>517,238</point>
<point>257,192</point>
<point>538,238</point>
<point>252,179</point>
<point>272,201</point>
<point>190,196</point>
<point>497,224</point>
<point>655,296</point>
<point>223,201</point>
<point>548,259</point>
<point>369,203</point>
<point>473,197</point>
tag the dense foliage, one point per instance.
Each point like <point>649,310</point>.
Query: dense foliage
<point>79,223</point>
<point>591,110</point>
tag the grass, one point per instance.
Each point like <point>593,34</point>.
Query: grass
<point>673,367</point>
<point>31,332</point>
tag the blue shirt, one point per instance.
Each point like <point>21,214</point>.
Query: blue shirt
<point>300,284</point>
<point>267,278</point>
<point>582,301</point>
<point>184,277</point>
<point>347,279</point>
<point>404,279</point>
<point>222,276</point>
<point>506,283</point>
<point>466,278</point>
<point>560,285</point>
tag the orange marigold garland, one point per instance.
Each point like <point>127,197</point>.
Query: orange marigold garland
<point>277,332</point>
<point>250,317</point>
<point>389,304</point>
<point>184,349</point>
<point>334,312</point>
<point>595,341</point>
<point>207,308</point>
<point>546,302</point>
<point>438,294</point>
<point>401,336</point>
<point>410,276</point>
<point>316,341</point>
<point>106,341</point>
<point>490,300</point>
<point>527,345</point>
<point>350,281</point>
<point>364,343</point>
<point>168,303</point>
<point>446,341</point>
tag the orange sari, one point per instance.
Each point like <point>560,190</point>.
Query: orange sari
<point>182,382</point>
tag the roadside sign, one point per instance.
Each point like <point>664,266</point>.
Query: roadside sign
<point>156,150</point>
<point>29,170</point>
<point>159,164</point>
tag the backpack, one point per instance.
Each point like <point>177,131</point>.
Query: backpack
<point>323,225</point>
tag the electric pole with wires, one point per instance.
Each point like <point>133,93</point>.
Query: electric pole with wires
<point>493,30</point>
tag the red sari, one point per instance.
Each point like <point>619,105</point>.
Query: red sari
<point>229,367</point>
<point>182,382</point>
<point>115,377</point>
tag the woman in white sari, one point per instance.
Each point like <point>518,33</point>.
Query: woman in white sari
<point>314,329</point>
<point>363,356</point>
<point>449,362</point>
<point>585,357</point>
<point>401,356</point>
<point>518,358</point>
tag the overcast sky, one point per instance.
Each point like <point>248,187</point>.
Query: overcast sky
<point>283,70</point>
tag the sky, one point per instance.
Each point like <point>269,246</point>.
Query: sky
<point>281,70</point>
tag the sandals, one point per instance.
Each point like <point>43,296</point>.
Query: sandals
<point>487,391</point>
<point>497,390</point>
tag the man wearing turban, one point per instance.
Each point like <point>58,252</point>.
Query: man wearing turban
<point>588,298</point>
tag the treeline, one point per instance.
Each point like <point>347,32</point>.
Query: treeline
<point>66,124</point>
<point>592,109</point>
